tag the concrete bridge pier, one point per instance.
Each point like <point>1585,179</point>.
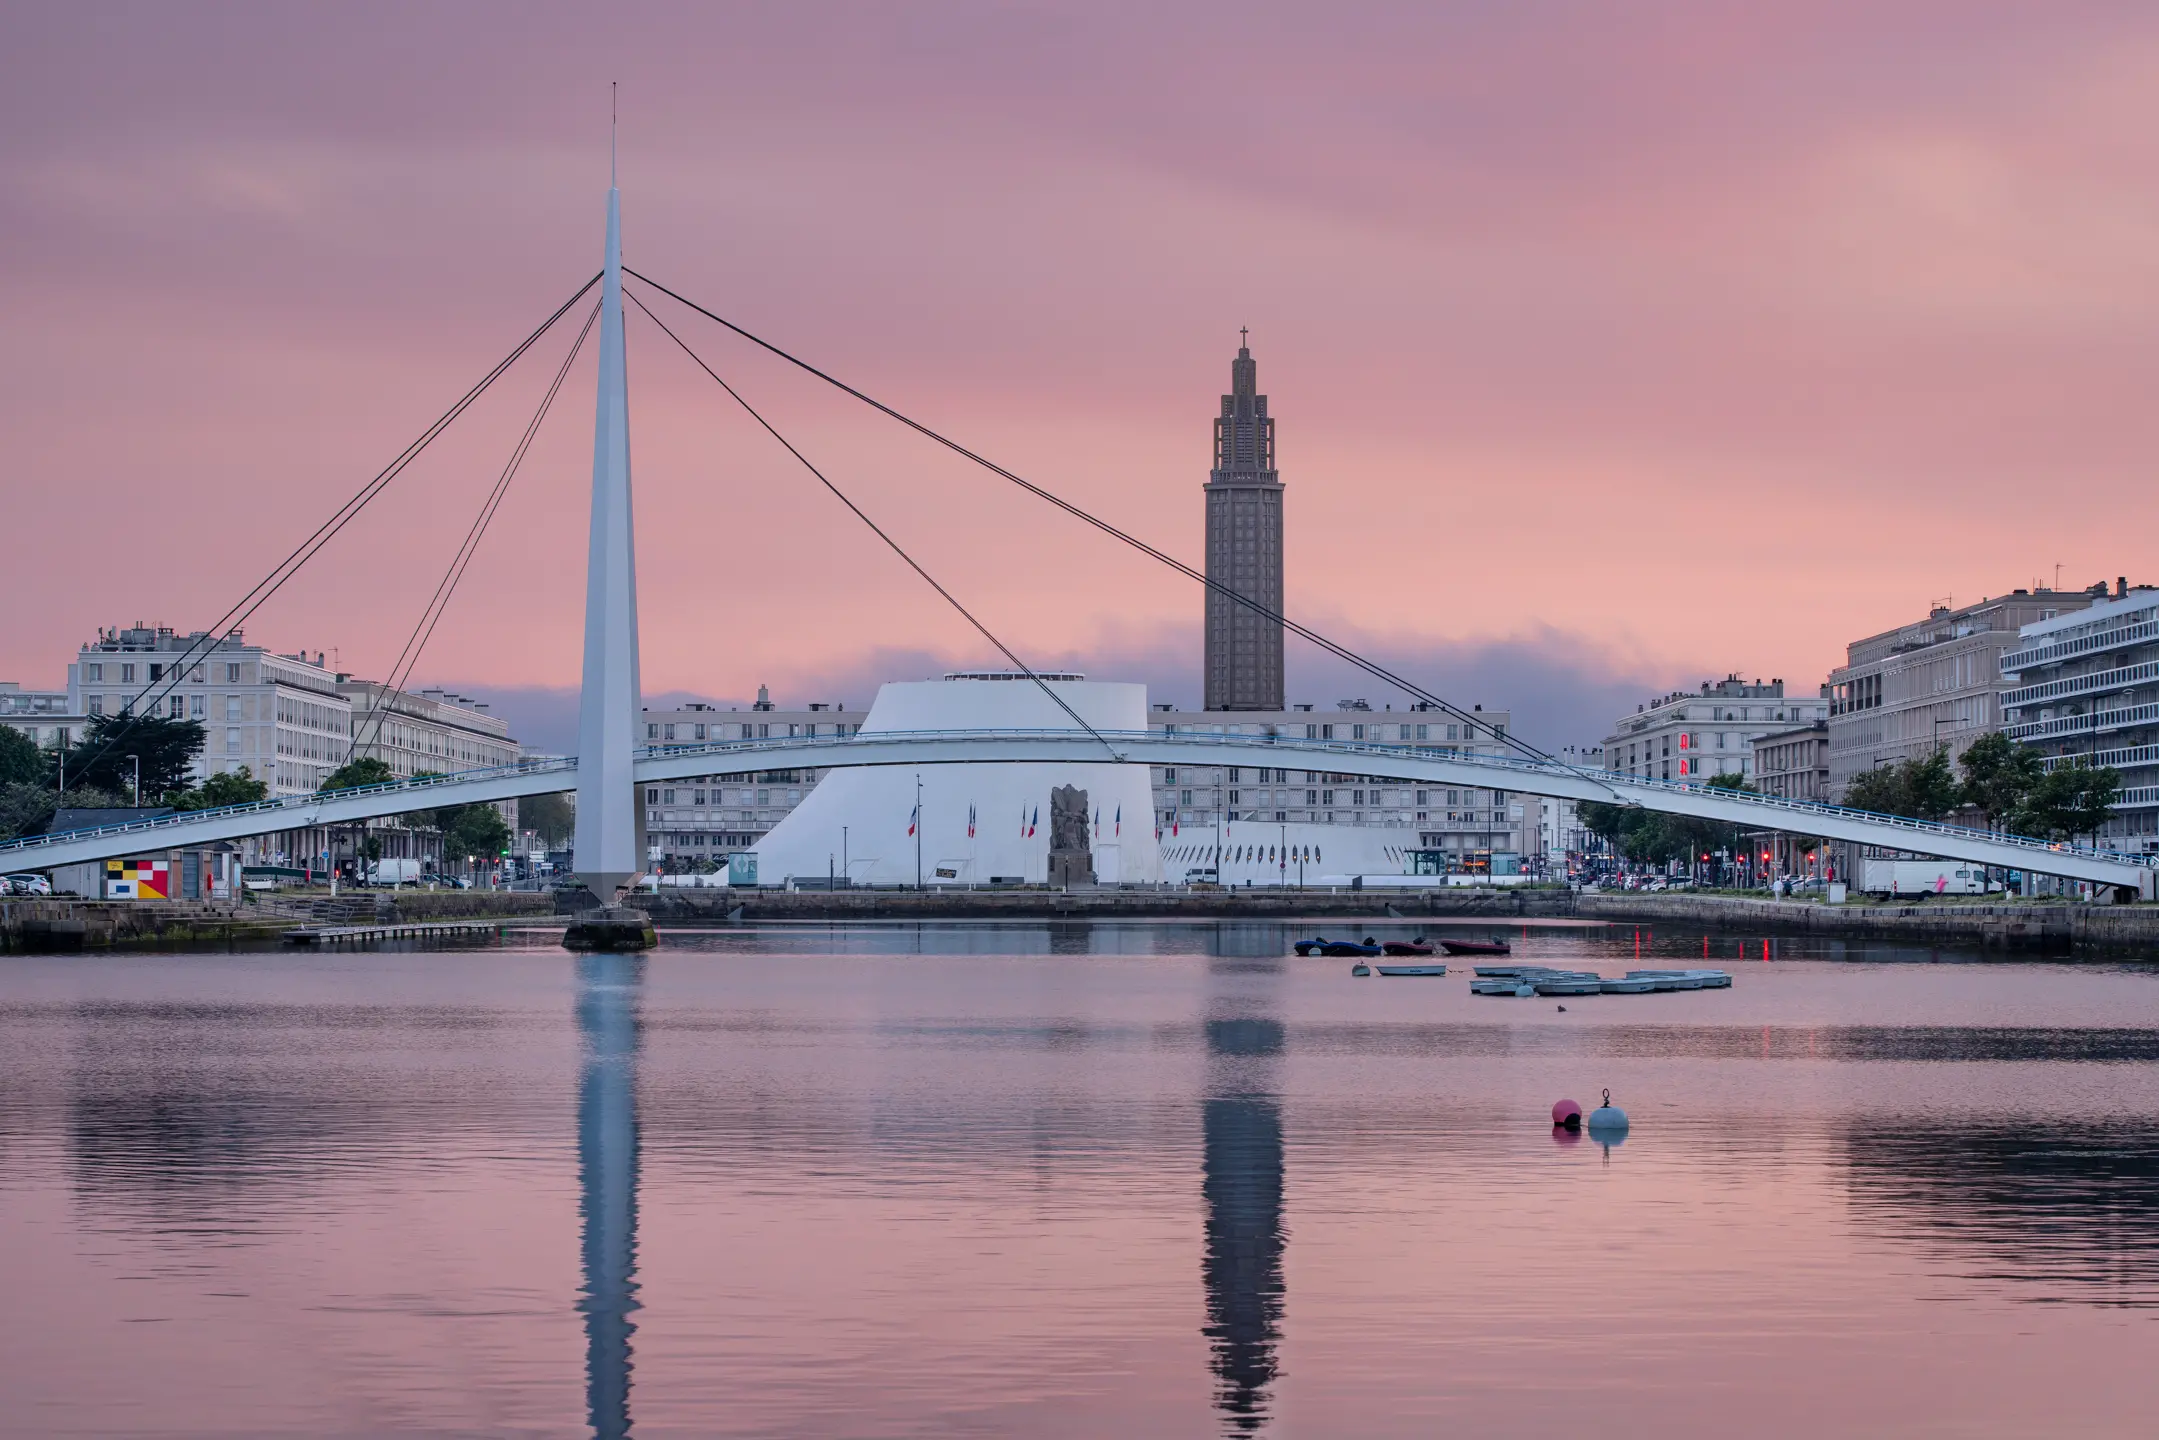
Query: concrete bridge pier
<point>611,927</point>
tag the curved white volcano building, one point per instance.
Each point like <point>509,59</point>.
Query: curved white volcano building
<point>980,822</point>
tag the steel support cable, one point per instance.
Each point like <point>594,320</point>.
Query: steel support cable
<point>1370,667</point>
<point>879,532</point>
<point>423,629</point>
<point>286,568</point>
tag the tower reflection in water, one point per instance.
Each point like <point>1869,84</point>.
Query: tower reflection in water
<point>609,991</point>
<point>1241,1124</point>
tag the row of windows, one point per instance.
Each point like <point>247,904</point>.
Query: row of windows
<point>127,672</point>
<point>659,795</point>
<point>762,730</point>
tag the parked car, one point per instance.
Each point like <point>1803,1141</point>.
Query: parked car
<point>26,884</point>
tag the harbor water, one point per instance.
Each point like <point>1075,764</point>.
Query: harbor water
<point>1074,1179</point>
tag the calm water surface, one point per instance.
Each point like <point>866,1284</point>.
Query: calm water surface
<point>1071,1180</point>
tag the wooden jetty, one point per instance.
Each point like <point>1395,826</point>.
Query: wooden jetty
<point>360,934</point>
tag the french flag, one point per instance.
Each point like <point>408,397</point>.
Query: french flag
<point>1032,823</point>
<point>1120,821</point>
<point>970,819</point>
<point>1097,822</point>
<point>914,817</point>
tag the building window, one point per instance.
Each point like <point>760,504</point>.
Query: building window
<point>652,797</point>
<point>97,704</point>
<point>1185,798</point>
<point>94,673</point>
<point>652,732</point>
<point>700,732</point>
<point>232,742</point>
<point>232,674</point>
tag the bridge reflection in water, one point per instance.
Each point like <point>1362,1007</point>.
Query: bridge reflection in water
<point>609,999</point>
<point>1241,1121</point>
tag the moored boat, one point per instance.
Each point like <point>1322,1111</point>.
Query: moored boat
<point>1386,969</point>
<point>1629,985</point>
<point>1567,982</point>
<point>1418,946</point>
<point>1493,946</point>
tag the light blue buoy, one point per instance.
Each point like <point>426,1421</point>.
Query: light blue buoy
<point>1608,1117</point>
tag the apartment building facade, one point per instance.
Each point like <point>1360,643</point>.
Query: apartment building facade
<point>1934,682</point>
<point>47,717</point>
<point>2085,685</point>
<point>708,817</point>
<point>281,716</point>
<point>1695,736</point>
<point>1462,821</point>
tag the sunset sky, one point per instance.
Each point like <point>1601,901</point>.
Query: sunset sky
<point>1613,347</point>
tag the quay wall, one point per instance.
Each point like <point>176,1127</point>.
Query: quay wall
<point>692,906</point>
<point>2003,926</point>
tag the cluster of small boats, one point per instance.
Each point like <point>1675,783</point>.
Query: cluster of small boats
<point>1527,980</point>
<point>1368,947</point>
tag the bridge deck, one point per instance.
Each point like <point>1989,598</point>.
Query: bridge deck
<point>1422,766</point>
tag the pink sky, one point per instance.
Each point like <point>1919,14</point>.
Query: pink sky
<point>1665,340</point>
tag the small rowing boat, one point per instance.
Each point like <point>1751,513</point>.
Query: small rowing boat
<point>1386,969</point>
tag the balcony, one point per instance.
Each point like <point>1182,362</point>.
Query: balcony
<point>2095,723</point>
<point>2132,634</point>
<point>2129,757</point>
<point>2120,678</point>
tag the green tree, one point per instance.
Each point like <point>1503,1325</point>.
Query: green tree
<point>230,787</point>
<point>1916,789</point>
<point>353,774</point>
<point>105,758</point>
<point>551,817</point>
<point>1880,790</point>
<point>2074,798</point>
<point>21,763</point>
<point>1998,775</point>
<point>475,830</point>
<point>1931,790</point>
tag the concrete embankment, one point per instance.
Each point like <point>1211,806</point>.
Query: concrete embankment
<point>157,924</point>
<point>1999,926</point>
<point>106,924</point>
<point>693,906</point>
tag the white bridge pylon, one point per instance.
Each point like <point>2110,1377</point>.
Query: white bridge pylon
<point>1748,812</point>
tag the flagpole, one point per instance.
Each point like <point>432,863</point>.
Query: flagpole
<point>918,829</point>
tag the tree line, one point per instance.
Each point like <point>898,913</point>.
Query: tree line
<point>2008,784</point>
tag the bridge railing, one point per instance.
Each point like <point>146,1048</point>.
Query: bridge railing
<point>284,805</point>
<point>1261,745</point>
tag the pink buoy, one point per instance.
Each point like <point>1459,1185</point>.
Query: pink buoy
<point>1567,1114</point>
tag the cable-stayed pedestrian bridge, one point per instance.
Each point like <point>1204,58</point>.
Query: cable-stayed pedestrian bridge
<point>611,767</point>
<point>1072,747</point>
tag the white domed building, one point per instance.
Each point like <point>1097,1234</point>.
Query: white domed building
<point>980,823</point>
